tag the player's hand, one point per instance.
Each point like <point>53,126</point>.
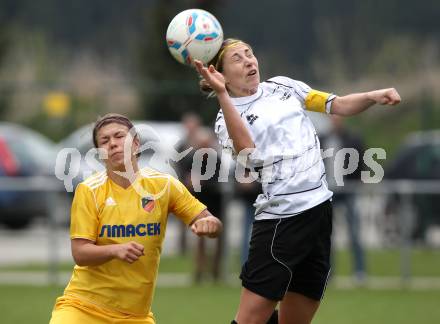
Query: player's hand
<point>128,252</point>
<point>214,78</point>
<point>209,226</point>
<point>385,96</point>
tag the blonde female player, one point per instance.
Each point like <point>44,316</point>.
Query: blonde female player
<point>118,224</point>
<point>289,251</point>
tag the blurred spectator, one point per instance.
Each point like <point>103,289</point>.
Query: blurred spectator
<point>192,124</point>
<point>338,138</point>
<point>199,137</point>
<point>417,158</point>
<point>211,195</point>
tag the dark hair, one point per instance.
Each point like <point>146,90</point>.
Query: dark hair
<point>217,62</point>
<point>112,118</point>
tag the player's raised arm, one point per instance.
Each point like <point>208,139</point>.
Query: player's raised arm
<point>238,132</point>
<point>355,103</point>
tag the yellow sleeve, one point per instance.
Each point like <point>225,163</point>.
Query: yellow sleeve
<point>182,203</point>
<point>84,214</point>
<point>319,101</point>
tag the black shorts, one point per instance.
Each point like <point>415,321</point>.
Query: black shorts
<point>290,254</point>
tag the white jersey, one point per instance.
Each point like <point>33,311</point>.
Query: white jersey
<point>287,153</point>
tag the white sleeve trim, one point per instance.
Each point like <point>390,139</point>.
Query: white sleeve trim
<point>328,104</point>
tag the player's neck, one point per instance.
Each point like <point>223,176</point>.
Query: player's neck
<point>243,92</point>
<point>124,178</point>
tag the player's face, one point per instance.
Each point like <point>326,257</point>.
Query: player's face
<point>240,69</point>
<point>111,138</point>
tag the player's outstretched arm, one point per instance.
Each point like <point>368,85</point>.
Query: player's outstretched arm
<point>356,103</point>
<point>87,253</point>
<point>205,224</point>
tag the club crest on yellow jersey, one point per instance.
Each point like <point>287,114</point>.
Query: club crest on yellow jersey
<point>147,204</point>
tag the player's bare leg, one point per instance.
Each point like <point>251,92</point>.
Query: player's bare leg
<point>297,309</point>
<point>253,308</point>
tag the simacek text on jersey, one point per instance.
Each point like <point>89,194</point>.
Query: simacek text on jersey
<point>130,230</point>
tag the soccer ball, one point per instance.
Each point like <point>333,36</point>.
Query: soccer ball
<point>194,34</point>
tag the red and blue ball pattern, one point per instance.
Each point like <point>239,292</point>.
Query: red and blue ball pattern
<point>177,45</point>
<point>194,34</point>
<point>205,37</point>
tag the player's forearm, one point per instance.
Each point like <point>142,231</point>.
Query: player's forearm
<point>237,130</point>
<point>352,104</point>
<point>92,255</point>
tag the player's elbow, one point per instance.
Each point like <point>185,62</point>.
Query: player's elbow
<point>340,108</point>
<point>244,147</point>
<point>78,259</point>
<point>80,263</point>
<point>78,254</point>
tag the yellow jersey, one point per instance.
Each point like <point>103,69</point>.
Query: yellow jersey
<point>106,213</point>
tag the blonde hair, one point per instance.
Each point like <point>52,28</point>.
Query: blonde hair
<point>217,62</point>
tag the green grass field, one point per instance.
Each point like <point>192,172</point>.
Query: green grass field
<point>20,304</point>
<point>386,262</point>
<point>217,305</point>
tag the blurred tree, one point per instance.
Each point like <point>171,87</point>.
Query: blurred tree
<point>338,44</point>
<point>4,46</point>
<point>296,31</point>
<point>97,24</point>
<point>350,34</point>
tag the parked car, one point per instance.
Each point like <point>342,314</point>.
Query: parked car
<point>158,140</point>
<point>417,159</point>
<point>23,153</point>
